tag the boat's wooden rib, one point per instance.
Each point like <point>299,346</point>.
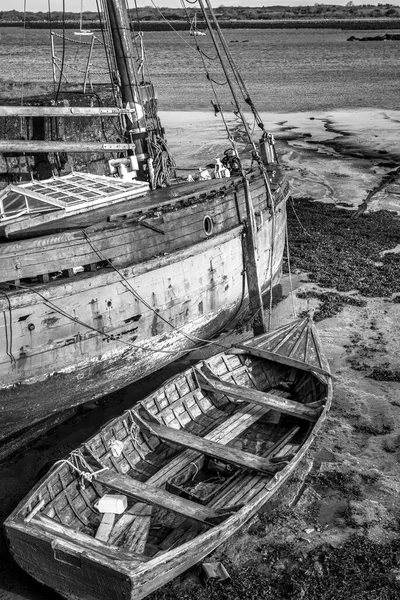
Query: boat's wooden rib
<point>283,405</point>
<point>157,496</point>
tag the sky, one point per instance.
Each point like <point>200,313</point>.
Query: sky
<point>75,5</point>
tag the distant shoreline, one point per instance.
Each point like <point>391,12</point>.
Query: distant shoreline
<point>360,24</point>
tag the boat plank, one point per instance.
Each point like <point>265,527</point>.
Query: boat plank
<point>105,527</point>
<point>239,458</point>
<point>154,495</point>
<point>231,428</point>
<point>137,530</point>
<point>283,405</point>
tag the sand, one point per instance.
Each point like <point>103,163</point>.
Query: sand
<point>350,499</point>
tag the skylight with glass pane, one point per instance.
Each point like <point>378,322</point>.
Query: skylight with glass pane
<point>73,191</point>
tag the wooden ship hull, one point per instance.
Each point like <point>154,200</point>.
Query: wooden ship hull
<point>104,280</point>
<point>126,298</point>
<point>194,461</point>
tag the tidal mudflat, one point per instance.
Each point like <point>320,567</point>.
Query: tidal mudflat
<point>335,533</point>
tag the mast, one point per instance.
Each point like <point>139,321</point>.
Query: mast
<point>125,56</point>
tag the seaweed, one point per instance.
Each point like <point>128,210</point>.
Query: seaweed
<point>342,251</point>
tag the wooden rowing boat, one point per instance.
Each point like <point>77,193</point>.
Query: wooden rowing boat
<point>191,463</point>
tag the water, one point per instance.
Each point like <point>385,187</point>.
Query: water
<point>285,70</point>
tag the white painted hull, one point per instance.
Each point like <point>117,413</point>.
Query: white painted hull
<point>125,323</point>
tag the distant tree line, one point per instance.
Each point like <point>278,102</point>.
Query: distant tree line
<point>316,12</point>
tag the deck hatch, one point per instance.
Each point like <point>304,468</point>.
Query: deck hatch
<point>68,192</point>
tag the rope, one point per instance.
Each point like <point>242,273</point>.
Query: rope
<point>63,54</point>
<point>134,431</point>
<point>76,70</point>
<point>143,301</point>
<point>172,27</point>
<point>76,458</point>
<point>9,339</point>
<point>91,328</point>
<point>273,227</point>
<point>163,163</point>
<point>256,154</point>
<point>290,270</point>
<point>295,214</point>
<point>23,64</point>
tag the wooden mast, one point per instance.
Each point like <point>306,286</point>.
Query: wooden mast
<point>136,130</point>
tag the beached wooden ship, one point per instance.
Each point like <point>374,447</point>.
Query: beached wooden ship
<point>189,465</point>
<point>104,279</point>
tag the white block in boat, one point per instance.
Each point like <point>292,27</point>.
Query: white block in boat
<point>112,503</point>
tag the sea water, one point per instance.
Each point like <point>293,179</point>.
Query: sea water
<point>285,70</point>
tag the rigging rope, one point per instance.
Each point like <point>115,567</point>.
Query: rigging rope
<point>256,154</point>
<point>273,225</point>
<point>23,62</point>
<point>63,53</point>
<point>289,270</point>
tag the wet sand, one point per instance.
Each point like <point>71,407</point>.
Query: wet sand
<point>352,492</point>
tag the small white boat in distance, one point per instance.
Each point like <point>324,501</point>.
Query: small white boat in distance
<point>193,28</point>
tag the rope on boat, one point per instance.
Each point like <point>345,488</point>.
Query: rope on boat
<point>192,338</point>
<point>289,270</point>
<point>134,432</point>
<point>297,217</point>
<point>172,27</point>
<point>108,336</point>
<point>271,270</point>
<point>63,54</point>
<point>78,463</point>
<point>23,65</point>
<point>77,70</point>
<point>163,163</point>
<point>9,337</point>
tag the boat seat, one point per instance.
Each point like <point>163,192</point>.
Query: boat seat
<point>234,456</point>
<point>208,381</point>
<point>245,416</point>
<point>154,495</point>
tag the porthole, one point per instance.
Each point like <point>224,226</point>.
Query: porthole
<point>208,225</point>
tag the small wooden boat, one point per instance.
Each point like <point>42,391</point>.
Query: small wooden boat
<point>189,465</point>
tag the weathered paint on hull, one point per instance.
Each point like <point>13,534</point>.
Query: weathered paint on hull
<point>56,361</point>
